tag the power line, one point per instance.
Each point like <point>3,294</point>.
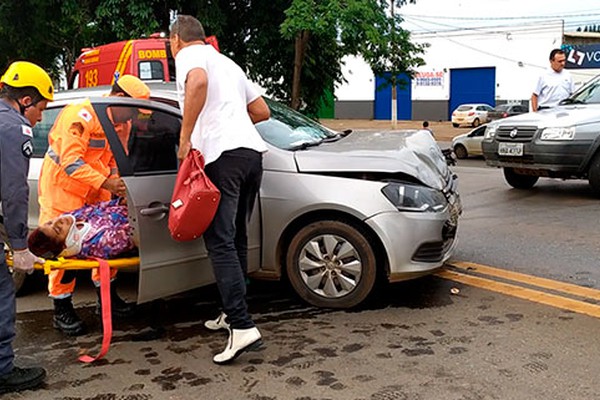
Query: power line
<point>561,16</point>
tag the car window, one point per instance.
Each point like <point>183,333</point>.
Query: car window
<point>488,108</point>
<point>149,137</point>
<point>464,108</point>
<point>41,130</point>
<point>479,131</point>
<point>503,107</point>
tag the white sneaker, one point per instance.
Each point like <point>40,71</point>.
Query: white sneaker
<point>240,340</point>
<point>218,323</point>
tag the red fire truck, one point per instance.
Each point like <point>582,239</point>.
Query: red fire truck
<point>149,59</point>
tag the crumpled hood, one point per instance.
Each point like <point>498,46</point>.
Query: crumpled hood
<point>562,116</point>
<point>413,152</point>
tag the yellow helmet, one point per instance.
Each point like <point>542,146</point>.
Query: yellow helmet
<point>23,73</point>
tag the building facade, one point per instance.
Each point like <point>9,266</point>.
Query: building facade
<point>493,65</point>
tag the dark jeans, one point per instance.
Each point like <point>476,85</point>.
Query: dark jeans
<point>237,173</point>
<point>7,317</point>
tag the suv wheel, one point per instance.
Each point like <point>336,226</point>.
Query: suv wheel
<point>519,181</point>
<point>455,125</point>
<point>460,151</point>
<point>476,122</point>
<point>594,174</point>
<point>331,264</point>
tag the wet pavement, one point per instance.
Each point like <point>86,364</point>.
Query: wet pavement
<point>414,340</point>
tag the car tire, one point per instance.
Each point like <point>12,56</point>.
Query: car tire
<point>19,277</point>
<point>455,125</point>
<point>519,181</point>
<point>476,122</point>
<point>316,273</point>
<point>460,151</point>
<point>594,174</point>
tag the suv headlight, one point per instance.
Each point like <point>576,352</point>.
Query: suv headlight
<point>490,132</point>
<point>414,198</point>
<point>563,133</point>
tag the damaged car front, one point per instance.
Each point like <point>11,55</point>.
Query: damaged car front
<point>344,208</point>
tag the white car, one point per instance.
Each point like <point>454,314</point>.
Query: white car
<point>469,144</point>
<point>471,114</point>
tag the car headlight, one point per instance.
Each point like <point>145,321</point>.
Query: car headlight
<point>414,198</point>
<point>490,132</point>
<point>563,133</point>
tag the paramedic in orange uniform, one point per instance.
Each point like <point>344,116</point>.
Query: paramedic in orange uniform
<point>79,168</point>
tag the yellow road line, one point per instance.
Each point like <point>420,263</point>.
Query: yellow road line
<point>523,293</point>
<point>530,280</point>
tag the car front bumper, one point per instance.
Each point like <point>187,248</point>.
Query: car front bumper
<point>543,156</point>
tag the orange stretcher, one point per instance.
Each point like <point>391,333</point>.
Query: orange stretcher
<point>104,267</point>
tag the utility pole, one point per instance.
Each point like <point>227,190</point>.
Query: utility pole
<point>393,80</point>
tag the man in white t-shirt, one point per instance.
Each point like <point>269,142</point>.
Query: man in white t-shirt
<point>220,107</point>
<point>554,85</point>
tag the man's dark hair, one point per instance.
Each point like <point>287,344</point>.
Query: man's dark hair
<point>116,89</point>
<point>425,124</point>
<point>188,28</point>
<point>555,52</point>
<point>15,93</point>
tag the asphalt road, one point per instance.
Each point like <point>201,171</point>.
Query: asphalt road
<point>433,338</point>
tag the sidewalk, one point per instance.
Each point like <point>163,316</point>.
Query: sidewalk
<point>444,132</point>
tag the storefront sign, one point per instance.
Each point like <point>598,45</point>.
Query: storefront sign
<point>582,56</point>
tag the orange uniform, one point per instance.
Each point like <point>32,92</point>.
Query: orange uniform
<point>77,163</point>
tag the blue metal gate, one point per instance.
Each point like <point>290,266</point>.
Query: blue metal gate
<point>472,85</point>
<point>383,99</point>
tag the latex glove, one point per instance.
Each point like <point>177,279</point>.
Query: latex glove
<point>23,260</point>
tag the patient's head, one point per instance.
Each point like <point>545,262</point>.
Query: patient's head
<point>48,240</point>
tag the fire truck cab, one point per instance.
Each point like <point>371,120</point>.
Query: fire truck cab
<point>149,59</point>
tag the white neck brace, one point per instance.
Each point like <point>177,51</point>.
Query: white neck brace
<point>74,239</point>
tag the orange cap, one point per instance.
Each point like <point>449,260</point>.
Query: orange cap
<point>134,87</point>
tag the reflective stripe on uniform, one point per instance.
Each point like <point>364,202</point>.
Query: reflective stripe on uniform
<point>97,143</point>
<point>53,155</point>
<point>71,168</point>
<point>114,171</point>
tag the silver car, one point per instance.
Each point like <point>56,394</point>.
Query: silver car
<point>335,210</point>
<point>469,144</point>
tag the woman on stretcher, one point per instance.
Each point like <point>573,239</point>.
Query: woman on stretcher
<point>93,231</point>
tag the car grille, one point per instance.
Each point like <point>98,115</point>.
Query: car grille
<point>515,133</point>
<point>434,251</point>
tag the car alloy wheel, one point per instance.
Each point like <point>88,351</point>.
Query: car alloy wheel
<point>331,264</point>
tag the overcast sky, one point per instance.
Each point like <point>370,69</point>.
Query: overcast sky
<point>440,15</point>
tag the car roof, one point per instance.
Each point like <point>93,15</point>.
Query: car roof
<point>163,90</point>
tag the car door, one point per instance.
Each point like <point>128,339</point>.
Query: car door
<point>474,140</point>
<point>147,162</point>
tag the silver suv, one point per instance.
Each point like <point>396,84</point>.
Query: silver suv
<point>562,142</point>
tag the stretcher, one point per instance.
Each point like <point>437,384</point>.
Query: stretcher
<point>104,266</point>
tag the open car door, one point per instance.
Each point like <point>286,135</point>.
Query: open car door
<point>146,153</point>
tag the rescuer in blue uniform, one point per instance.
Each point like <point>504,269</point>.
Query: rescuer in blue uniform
<point>25,90</point>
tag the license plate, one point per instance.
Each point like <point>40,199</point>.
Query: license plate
<point>510,149</point>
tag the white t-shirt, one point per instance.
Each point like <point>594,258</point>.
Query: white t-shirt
<point>552,87</point>
<point>223,123</point>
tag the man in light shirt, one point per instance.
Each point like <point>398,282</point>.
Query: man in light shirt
<point>554,85</point>
<point>220,107</point>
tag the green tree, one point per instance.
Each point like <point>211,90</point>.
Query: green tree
<point>328,30</point>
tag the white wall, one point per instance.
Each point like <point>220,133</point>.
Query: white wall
<point>519,55</point>
<point>360,83</point>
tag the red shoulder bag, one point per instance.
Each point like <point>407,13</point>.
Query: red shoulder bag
<point>195,200</point>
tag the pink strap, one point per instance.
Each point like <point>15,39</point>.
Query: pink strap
<point>106,312</point>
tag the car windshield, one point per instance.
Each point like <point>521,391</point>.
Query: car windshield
<point>289,130</point>
<point>589,93</point>
<point>502,108</point>
<point>464,108</point>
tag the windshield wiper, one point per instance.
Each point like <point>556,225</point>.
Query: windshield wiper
<point>572,101</point>
<point>306,145</point>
